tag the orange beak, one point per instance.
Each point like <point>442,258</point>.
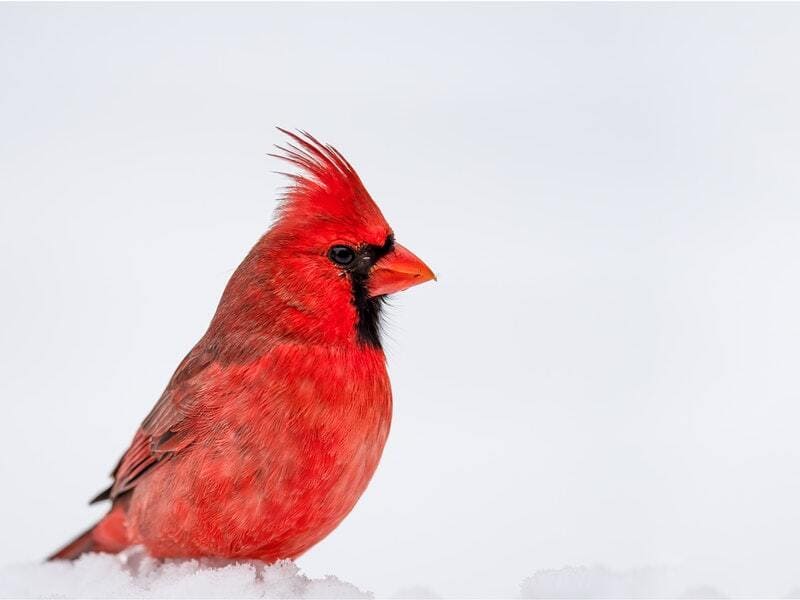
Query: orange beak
<point>397,271</point>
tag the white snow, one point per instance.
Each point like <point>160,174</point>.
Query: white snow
<point>136,575</point>
<point>415,592</point>
<point>602,582</point>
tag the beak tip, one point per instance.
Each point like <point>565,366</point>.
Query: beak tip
<point>399,271</point>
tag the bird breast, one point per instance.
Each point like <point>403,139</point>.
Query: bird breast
<point>282,457</point>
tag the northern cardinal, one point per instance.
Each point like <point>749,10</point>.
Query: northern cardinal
<point>272,426</point>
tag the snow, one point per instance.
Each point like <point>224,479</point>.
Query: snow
<point>415,592</point>
<point>135,575</point>
<point>602,582</point>
<point>139,576</point>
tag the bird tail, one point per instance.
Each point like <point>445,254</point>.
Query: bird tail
<point>80,545</point>
<point>109,534</point>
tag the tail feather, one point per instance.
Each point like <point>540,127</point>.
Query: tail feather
<point>109,534</point>
<point>80,545</point>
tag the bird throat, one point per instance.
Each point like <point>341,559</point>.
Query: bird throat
<point>368,310</point>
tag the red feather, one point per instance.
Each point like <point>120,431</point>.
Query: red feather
<point>272,426</point>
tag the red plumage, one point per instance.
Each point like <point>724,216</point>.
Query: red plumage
<point>272,426</point>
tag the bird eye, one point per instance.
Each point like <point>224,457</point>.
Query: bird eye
<point>342,255</point>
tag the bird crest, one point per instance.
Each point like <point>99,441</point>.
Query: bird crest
<point>326,186</point>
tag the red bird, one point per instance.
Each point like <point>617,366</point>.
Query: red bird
<point>272,426</point>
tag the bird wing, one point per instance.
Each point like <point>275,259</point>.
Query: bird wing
<point>165,431</point>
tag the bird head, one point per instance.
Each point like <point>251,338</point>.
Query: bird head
<point>330,258</point>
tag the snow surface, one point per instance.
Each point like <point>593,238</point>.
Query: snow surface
<point>602,582</point>
<point>138,576</point>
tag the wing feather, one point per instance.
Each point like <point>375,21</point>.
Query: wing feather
<point>163,433</point>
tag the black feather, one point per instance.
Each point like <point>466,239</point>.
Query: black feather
<point>368,326</point>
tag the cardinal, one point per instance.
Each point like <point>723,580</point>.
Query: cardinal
<point>271,427</point>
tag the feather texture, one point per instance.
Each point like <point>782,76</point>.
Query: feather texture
<point>270,429</point>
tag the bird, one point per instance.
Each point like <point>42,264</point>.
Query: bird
<point>272,426</point>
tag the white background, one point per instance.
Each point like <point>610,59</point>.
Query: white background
<point>606,370</point>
